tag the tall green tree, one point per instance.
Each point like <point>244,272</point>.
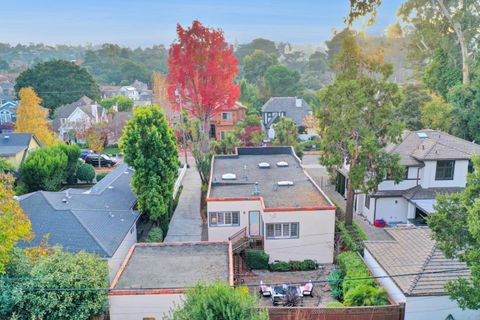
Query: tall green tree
<point>282,82</point>
<point>150,147</point>
<point>265,45</point>
<point>456,229</point>
<point>22,298</point>
<point>286,132</point>
<point>218,301</point>
<point>357,121</point>
<point>58,82</point>
<point>414,97</point>
<point>256,64</point>
<point>437,114</point>
<point>441,74</point>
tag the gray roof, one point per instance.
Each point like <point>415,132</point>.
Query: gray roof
<point>414,252</point>
<point>436,145</point>
<point>287,105</point>
<point>84,103</point>
<point>175,265</point>
<point>13,143</point>
<point>303,193</point>
<point>417,192</point>
<point>96,220</point>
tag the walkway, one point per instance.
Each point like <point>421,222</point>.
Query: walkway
<point>186,224</point>
<point>320,175</point>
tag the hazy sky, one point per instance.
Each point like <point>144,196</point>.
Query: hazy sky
<point>147,22</point>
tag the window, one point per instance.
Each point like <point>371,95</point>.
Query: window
<point>367,201</point>
<point>218,219</point>
<point>445,170</point>
<point>222,135</point>
<point>282,230</point>
<point>226,115</point>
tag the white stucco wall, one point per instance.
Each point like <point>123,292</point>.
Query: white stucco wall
<point>223,233</point>
<point>436,307</point>
<point>459,175</point>
<point>117,259</point>
<point>316,236</point>
<point>390,209</point>
<point>137,307</point>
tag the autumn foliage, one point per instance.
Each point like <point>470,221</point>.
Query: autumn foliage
<point>32,118</point>
<point>203,68</point>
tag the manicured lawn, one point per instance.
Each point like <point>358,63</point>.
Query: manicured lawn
<point>112,150</point>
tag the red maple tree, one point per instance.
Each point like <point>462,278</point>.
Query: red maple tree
<point>203,69</point>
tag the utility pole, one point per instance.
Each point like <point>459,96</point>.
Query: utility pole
<point>180,102</point>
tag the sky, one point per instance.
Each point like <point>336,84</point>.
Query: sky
<point>144,23</point>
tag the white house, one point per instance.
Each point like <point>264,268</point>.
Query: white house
<point>414,271</point>
<point>154,276</point>
<point>264,193</point>
<point>436,163</point>
<point>8,112</point>
<point>78,116</point>
<point>100,220</point>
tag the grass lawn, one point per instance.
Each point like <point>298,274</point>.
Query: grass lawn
<point>112,150</point>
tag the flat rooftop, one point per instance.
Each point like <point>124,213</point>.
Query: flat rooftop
<point>174,265</point>
<point>245,166</point>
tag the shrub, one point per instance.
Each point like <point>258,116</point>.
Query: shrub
<point>72,179</point>
<point>257,259</point>
<point>280,266</point>
<point>335,281</point>
<point>86,172</point>
<point>352,236</point>
<point>155,235</point>
<point>334,304</point>
<point>101,175</point>
<point>308,264</point>
<point>366,295</point>
<point>337,293</point>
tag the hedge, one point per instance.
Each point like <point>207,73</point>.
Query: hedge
<point>293,265</point>
<point>257,259</point>
<point>364,292</point>
<point>352,236</point>
<point>101,175</point>
<point>155,235</point>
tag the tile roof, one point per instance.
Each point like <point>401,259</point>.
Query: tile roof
<point>96,220</point>
<point>437,145</point>
<point>414,252</point>
<point>287,105</point>
<point>303,193</point>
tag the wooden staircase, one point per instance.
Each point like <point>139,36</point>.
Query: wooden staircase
<point>240,242</point>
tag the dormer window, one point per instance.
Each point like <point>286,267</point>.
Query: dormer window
<point>445,170</point>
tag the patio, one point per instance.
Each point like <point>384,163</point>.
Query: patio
<point>321,290</point>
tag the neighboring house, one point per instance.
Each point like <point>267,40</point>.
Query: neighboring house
<point>100,220</point>
<point>275,108</point>
<point>263,195</point>
<point>78,116</point>
<point>154,276</point>
<point>129,92</point>
<point>413,254</point>
<point>8,112</point>
<point>119,120</point>
<point>110,91</point>
<point>225,120</point>
<point>436,163</point>
<point>15,147</point>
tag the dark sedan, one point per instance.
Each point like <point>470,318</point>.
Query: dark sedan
<point>100,160</point>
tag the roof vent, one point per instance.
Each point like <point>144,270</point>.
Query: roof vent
<point>285,183</point>
<point>422,135</point>
<point>298,102</point>
<point>64,200</point>
<point>264,165</point>
<point>229,176</point>
<point>256,191</point>
<point>110,187</point>
<point>282,164</point>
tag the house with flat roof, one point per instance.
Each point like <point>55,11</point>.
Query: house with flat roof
<point>15,147</point>
<point>424,273</point>
<point>154,276</point>
<point>436,163</point>
<point>264,194</point>
<point>100,220</point>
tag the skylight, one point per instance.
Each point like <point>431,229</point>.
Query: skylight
<point>422,135</point>
<point>264,165</point>
<point>229,176</point>
<point>285,183</point>
<point>282,164</point>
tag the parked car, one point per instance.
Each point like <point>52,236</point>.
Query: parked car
<point>100,160</point>
<point>85,153</point>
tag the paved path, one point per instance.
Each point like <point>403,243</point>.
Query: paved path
<point>186,224</point>
<point>320,175</point>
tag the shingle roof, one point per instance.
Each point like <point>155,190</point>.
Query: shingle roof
<point>414,252</point>
<point>13,143</point>
<point>437,145</point>
<point>96,220</point>
<point>417,192</point>
<point>287,105</point>
<point>84,103</point>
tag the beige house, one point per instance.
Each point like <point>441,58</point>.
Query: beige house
<point>264,193</point>
<point>154,276</point>
<point>15,147</point>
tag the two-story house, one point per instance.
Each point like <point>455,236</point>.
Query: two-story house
<point>78,116</point>
<point>8,112</point>
<point>436,163</point>
<point>225,120</point>
<point>275,108</point>
<point>265,195</point>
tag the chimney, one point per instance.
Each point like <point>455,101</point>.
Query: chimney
<point>298,102</point>
<point>94,111</point>
<point>256,191</point>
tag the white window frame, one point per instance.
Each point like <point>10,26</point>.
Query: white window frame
<point>224,218</point>
<point>282,230</point>
<point>227,116</point>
